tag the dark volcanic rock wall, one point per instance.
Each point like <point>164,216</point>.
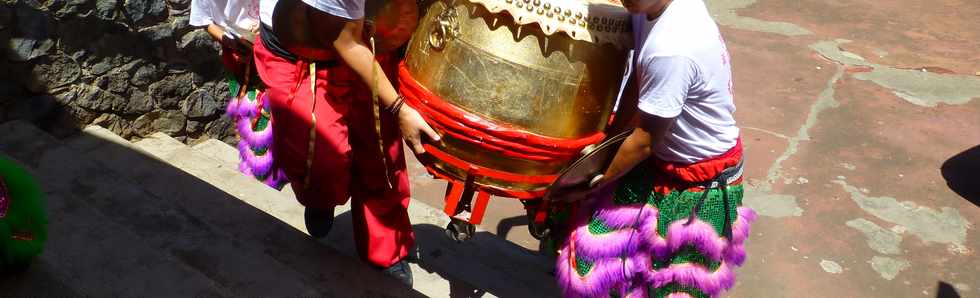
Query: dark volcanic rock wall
<point>133,66</point>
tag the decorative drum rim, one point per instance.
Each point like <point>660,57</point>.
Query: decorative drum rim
<point>596,21</point>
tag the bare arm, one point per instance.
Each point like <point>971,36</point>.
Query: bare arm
<point>359,57</point>
<point>218,34</point>
<point>215,31</point>
<point>638,146</point>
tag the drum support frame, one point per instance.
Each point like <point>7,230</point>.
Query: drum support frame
<point>464,213</point>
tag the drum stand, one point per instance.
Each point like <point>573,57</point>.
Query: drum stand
<point>465,215</point>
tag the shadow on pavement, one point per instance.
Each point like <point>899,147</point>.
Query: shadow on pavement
<point>507,224</point>
<point>945,290</point>
<point>120,216</point>
<point>961,173</point>
<point>472,268</point>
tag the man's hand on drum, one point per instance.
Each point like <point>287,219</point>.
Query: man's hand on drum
<point>349,43</point>
<point>413,126</point>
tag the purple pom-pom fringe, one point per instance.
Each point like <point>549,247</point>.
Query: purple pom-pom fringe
<point>259,164</point>
<point>606,249</point>
<point>255,139</point>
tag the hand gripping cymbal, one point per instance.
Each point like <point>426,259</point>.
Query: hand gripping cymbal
<point>587,170</point>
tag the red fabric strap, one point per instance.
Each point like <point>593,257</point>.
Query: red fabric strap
<point>703,170</point>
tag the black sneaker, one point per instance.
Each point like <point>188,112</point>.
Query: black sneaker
<point>318,221</point>
<point>400,271</point>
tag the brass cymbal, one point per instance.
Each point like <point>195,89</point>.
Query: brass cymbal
<point>584,171</point>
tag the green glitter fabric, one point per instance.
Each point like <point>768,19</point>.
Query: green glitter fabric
<point>234,86</point>
<point>677,204</point>
<point>597,227</point>
<point>675,288</point>
<point>262,122</point>
<point>582,266</point>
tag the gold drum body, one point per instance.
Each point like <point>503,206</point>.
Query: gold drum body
<point>486,64</point>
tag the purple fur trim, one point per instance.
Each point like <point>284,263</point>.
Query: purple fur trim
<point>743,224</point>
<point>638,265</point>
<point>624,240</point>
<point>695,276</point>
<point>568,279</point>
<point>617,243</point>
<point>702,236</point>
<point>637,291</point>
<point>634,289</point>
<point>243,150</point>
<point>622,216</point>
<point>248,108</point>
<point>735,254</point>
<point>265,101</point>
<point>276,180</point>
<point>735,251</point>
<point>255,139</point>
<point>652,238</point>
<point>699,234</point>
<point>243,167</point>
<point>232,110</point>
<point>605,275</point>
<point>260,164</point>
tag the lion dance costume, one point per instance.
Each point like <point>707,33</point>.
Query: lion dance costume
<point>680,234</point>
<point>248,106</point>
<point>23,223</point>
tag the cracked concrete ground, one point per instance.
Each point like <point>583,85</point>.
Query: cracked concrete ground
<point>849,110</point>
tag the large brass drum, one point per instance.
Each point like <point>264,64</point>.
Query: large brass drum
<point>525,74</point>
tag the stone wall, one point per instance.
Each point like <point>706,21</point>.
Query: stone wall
<point>133,66</point>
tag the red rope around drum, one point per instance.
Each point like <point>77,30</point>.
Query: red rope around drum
<point>504,139</point>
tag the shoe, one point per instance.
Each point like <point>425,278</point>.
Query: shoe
<point>318,221</point>
<point>400,271</point>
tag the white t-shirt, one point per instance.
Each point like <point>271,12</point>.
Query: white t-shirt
<point>348,9</point>
<point>266,7</point>
<point>237,17</point>
<point>683,70</point>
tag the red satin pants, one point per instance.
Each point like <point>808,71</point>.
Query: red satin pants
<point>347,160</point>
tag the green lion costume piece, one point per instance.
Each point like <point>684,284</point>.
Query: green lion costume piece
<point>23,223</point>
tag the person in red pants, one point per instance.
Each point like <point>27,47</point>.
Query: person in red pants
<point>332,139</point>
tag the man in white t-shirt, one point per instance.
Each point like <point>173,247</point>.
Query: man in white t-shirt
<point>234,23</point>
<point>681,165</point>
<point>330,141</point>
